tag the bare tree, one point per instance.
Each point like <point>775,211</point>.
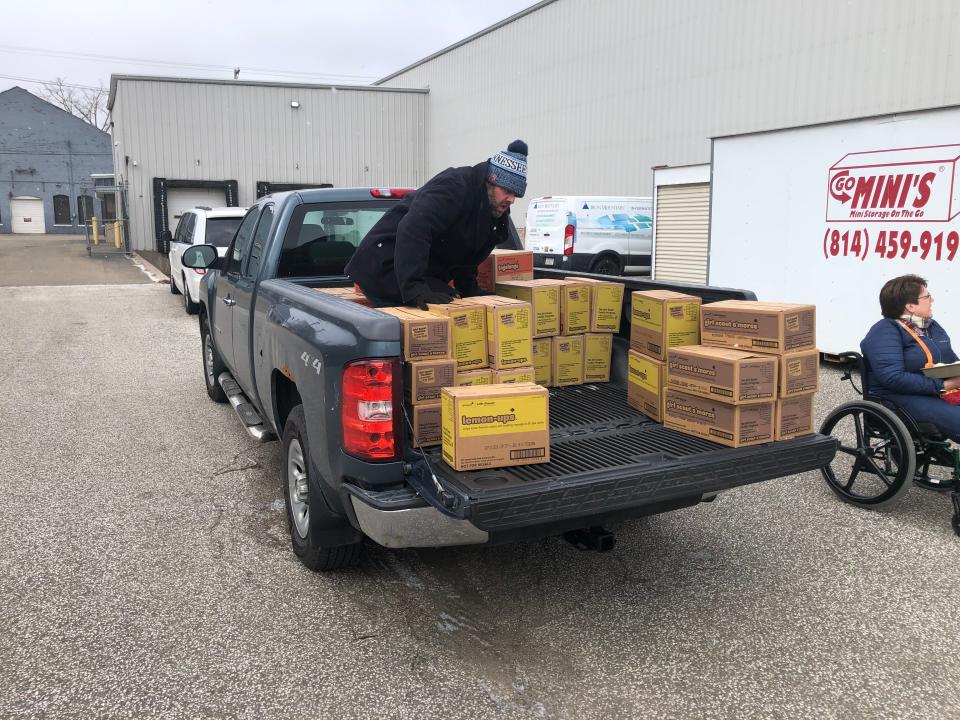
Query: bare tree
<point>88,104</point>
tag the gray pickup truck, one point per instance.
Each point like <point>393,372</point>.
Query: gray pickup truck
<point>323,375</point>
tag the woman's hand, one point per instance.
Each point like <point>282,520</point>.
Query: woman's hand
<point>951,383</point>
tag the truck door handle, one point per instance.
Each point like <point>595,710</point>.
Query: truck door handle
<point>228,302</point>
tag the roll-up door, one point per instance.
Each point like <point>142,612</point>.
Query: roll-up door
<point>26,215</point>
<point>682,232</point>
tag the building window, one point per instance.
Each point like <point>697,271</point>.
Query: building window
<point>61,210</point>
<point>84,208</point>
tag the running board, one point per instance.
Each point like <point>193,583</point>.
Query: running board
<point>248,415</point>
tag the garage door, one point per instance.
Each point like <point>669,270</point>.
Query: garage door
<point>181,199</point>
<point>26,215</point>
<point>681,233</point>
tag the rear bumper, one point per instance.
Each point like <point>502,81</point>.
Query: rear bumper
<point>578,262</point>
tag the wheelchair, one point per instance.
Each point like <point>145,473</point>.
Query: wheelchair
<point>882,450</point>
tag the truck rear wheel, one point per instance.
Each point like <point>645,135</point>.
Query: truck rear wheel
<point>212,363</point>
<point>607,265</point>
<point>306,510</point>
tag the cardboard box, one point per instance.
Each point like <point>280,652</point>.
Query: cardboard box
<point>516,375</point>
<point>731,425</point>
<point>661,319</point>
<point>503,265</point>
<point>509,342</point>
<point>423,379</point>
<point>794,416</point>
<point>775,328</point>
<point>597,349</point>
<point>544,300</point>
<point>495,426</point>
<point>645,384</point>
<point>423,335</point>
<point>347,293</point>
<point>731,376</point>
<point>566,360</point>
<point>474,377</point>
<point>574,307</point>
<point>606,305</point>
<point>799,373</point>
<point>426,424</point>
<point>468,334</point>
<point>542,366</point>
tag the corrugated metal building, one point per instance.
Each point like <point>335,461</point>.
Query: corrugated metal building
<point>604,91</point>
<point>182,142</point>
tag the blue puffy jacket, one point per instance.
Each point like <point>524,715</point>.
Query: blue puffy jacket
<point>895,359</point>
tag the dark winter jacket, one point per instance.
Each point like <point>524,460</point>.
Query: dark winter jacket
<point>438,233</point>
<point>895,358</point>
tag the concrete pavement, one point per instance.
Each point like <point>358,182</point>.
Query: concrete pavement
<point>62,260</point>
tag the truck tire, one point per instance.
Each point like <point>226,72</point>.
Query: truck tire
<point>607,265</point>
<point>188,305</point>
<point>212,363</point>
<point>307,513</point>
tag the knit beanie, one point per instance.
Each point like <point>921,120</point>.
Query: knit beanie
<point>508,168</point>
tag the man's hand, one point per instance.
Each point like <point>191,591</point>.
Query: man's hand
<point>431,296</point>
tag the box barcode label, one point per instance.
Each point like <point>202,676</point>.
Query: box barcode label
<point>528,453</point>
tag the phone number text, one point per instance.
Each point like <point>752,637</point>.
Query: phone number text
<point>891,244</point>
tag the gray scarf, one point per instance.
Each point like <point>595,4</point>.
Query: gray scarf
<point>917,323</point>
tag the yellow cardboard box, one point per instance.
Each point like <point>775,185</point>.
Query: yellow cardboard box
<point>509,339</point>
<point>660,319</point>
<point>474,377</point>
<point>425,378</point>
<point>606,305</point>
<point>495,426</point>
<point>544,300</point>
<point>567,360</point>
<point>542,365</point>
<point>468,332</point>
<point>597,349</point>
<point>574,307</point>
<point>516,375</point>
<point>646,379</point>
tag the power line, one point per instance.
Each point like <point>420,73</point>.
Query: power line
<point>49,82</point>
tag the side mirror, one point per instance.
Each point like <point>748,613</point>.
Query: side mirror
<point>166,236</point>
<point>201,257</point>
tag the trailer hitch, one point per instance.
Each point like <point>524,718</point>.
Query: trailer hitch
<point>596,538</point>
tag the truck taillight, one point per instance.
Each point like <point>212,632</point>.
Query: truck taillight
<point>568,239</point>
<point>390,192</point>
<point>370,409</point>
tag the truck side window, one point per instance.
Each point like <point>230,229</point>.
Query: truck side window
<point>241,243</point>
<point>259,240</point>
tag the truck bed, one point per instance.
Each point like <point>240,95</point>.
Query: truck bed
<point>606,456</point>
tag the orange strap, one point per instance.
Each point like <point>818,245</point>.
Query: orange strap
<point>916,337</point>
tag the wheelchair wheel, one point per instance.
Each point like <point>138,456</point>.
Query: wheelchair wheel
<point>876,459</point>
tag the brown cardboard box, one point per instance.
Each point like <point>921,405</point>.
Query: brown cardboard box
<point>544,299</point>
<point>606,305</point>
<point>645,384</point>
<point>425,378</point>
<point>731,376</point>
<point>661,319</point>
<point>495,426</point>
<point>426,424</point>
<point>468,332</point>
<point>731,425</point>
<point>516,375</point>
<point>542,365</point>
<point>423,335</point>
<point>347,293</point>
<point>474,377</point>
<point>795,416</point>
<point>775,328</point>
<point>503,265</point>
<point>509,340</point>
<point>574,307</point>
<point>799,373</point>
<point>566,361</point>
<point>597,349</point>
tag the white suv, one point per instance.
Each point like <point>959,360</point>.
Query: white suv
<point>199,226</point>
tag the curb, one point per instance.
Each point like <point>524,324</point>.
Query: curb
<point>148,269</point>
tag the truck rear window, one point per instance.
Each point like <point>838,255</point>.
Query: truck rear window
<point>220,231</point>
<point>321,238</point>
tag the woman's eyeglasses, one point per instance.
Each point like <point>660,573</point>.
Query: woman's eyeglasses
<point>924,297</point>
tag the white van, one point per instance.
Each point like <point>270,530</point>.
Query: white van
<point>603,235</point>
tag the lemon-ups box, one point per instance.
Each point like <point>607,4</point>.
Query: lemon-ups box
<point>509,340</point>
<point>794,416</point>
<point>731,425</point>
<point>566,360</point>
<point>645,384</point>
<point>468,333</point>
<point>423,335</point>
<point>761,326</point>
<point>516,375</point>
<point>424,379</point>
<point>606,305</point>
<point>503,265</point>
<point>426,424</point>
<point>474,377</point>
<point>799,373</point>
<point>542,353</point>
<point>574,307</point>
<point>731,376</point>
<point>597,349</point>
<point>544,299</point>
<point>495,426</point>
<point>661,319</point>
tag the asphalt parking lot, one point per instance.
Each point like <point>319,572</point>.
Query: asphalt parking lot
<point>145,571</point>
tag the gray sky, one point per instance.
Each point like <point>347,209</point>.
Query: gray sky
<point>279,40</point>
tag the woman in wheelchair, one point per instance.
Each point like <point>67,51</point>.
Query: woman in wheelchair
<point>900,345</point>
